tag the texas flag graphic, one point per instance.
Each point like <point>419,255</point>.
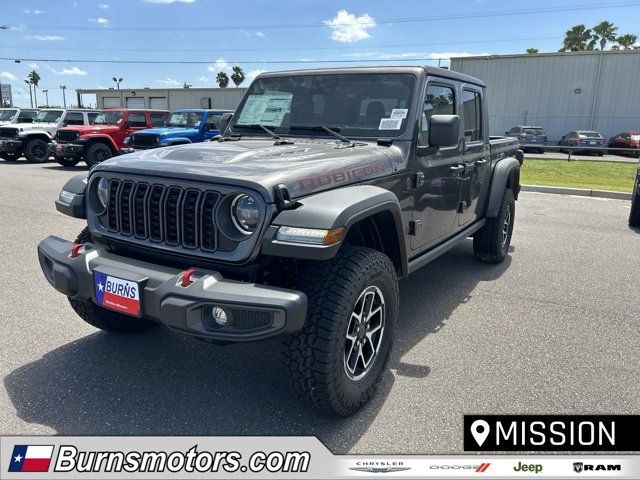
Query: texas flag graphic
<point>116,293</point>
<point>31,458</point>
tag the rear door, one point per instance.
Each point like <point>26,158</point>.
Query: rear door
<point>477,154</point>
<point>436,181</point>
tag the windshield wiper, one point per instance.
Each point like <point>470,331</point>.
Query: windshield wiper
<point>278,139</point>
<point>322,128</point>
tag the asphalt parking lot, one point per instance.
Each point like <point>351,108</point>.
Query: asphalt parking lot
<point>554,329</point>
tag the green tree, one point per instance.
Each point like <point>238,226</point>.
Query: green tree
<point>237,77</point>
<point>34,79</point>
<point>626,41</point>
<point>532,51</point>
<point>577,38</point>
<point>222,79</point>
<point>603,33</point>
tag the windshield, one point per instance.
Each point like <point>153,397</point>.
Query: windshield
<point>108,118</point>
<point>7,114</point>
<point>534,131</point>
<point>589,135</point>
<point>355,105</point>
<point>48,116</point>
<point>185,119</point>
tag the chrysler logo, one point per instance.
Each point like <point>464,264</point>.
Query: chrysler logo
<point>379,469</point>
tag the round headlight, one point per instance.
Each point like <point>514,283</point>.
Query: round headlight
<point>245,213</point>
<point>103,192</point>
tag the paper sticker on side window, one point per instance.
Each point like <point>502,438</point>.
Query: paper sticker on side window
<point>390,124</point>
<point>268,109</point>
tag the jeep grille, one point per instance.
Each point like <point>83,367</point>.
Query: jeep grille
<point>145,140</point>
<point>8,132</point>
<point>67,136</point>
<point>171,215</point>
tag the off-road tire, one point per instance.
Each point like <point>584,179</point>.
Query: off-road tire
<point>488,243</point>
<point>97,153</point>
<point>106,319</point>
<point>67,162</point>
<point>36,150</point>
<point>314,358</point>
<point>10,157</point>
<point>634,215</point>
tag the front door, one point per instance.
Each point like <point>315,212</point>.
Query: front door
<point>437,177</point>
<point>476,156</point>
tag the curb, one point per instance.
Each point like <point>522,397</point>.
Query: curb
<point>581,192</point>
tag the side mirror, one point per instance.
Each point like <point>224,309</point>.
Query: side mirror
<point>444,130</point>
<point>224,121</point>
<point>507,132</point>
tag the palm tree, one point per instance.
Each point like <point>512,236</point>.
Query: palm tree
<point>34,79</point>
<point>237,76</point>
<point>627,41</point>
<point>577,38</point>
<point>532,51</point>
<point>222,79</point>
<point>604,32</point>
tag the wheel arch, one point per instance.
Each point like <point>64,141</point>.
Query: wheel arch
<point>506,174</point>
<point>104,139</point>
<point>44,136</point>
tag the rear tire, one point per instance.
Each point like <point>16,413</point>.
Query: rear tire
<point>101,317</point>
<point>67,162</point>
<point>10,156</point>
<point>491,243</point>
<point>36,151</point>
<point>339,291</point>
<point>97,153</point>
<point>634,215</point>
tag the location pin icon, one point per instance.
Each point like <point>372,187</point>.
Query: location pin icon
<point>480,431</point>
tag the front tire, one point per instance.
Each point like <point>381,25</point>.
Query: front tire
<point>491,243</point>
<point>634,215</point>
<point>36,151</point>
<point>97,153</point>
<point>67,162</point>
<point>337,360</point>
<point>101,317</point>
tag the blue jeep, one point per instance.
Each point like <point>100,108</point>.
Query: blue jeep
<point>183,126</point>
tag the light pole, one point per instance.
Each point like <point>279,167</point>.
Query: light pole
<point>46,94</point>
<point>117,80</point>
<point>64,98</point>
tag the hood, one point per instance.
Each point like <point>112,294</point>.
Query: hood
<point>89,129</point>
<point>35,126</point>
<point>305,167</point>
<point>169,132</point>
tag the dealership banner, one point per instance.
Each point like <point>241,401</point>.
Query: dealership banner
<point>274,457</point>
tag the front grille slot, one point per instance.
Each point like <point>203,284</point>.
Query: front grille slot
<point>176,216</point>
<point>8,132</point>
<point>67,136</point>
<point>143,140</point>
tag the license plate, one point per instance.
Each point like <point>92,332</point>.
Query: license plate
<point>117,294</point>
<point>59,148</point>
<point>592,143</point>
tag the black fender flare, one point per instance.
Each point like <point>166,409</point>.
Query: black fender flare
<point>177,141</point>
<point>505,169</point>
<point>333,209</point>
<point>77,186</point>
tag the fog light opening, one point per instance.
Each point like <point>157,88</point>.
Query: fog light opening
<point>219,315</point>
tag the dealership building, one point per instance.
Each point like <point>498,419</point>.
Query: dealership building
<point>163,98</point>
<point>560,92</point>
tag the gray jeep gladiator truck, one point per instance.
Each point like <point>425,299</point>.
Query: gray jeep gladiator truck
<point>325,188</point>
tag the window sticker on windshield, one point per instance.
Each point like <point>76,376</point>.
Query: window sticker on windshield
<point>390,124</point>
<point>399,113</point>
<point>268,109</point>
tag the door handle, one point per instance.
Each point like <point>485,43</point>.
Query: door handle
<point>419,179</point>
<point>482,161</point>
<point>457,170</point>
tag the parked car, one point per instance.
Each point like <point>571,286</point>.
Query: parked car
<point>17,115</point>
<point>583,141</point>
<point>630,140</point>
<point>530,138</point>
<point>326,186</point>
<point>33,138</point>
<point>105,138</point>
<point>183,126</point>
<point>634,215</point>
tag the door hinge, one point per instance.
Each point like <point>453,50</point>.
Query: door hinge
<point>414,227</point>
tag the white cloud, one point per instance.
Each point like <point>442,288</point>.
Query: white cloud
<point>70,71</point>
<point>100,20</point>
<point>346,27</point>
<point>45,38</point>
<point>219,65</point>
<point>8,76</point>
<point>167,2</point>
<point>18,28</point>
<point>204,79</point>
<point>260,34</point>
<point>103,6</point>
<point>169,82</point>
<point>34,66</point>
<point>254,73</point>
<point>35,12</point>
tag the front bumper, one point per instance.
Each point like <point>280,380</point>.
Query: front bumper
<point>65,150</point>
<point>10,145</point>
<point>255,311</point>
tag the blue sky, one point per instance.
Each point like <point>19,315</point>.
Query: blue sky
<point>88,29</point>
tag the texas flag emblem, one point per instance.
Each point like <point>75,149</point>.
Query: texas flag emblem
<point>31,458</point>
<point>117,294</point>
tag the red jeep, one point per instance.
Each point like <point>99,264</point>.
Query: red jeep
<point>104,139</point>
